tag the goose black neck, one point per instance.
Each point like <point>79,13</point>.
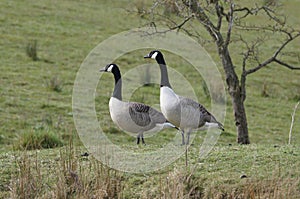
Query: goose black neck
<point>164,78</point>
<point>118,84</point>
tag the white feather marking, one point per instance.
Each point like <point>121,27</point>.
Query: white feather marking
<point>154,55</point>
<point>110,68</point>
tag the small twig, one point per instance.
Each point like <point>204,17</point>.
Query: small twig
<point>182,23</point>
<point>248,11</point>
<point>288,31</point>
<point>292,123</point>
<point>170,28</point>
<point>269,12</point>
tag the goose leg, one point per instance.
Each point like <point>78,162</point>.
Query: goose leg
<point>188,137</point>
<point>138,139</point>
<point>143,141</point>
<point>182,135</point>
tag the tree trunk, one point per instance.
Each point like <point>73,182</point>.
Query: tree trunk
<point>237,97</point>
<point>240,118</point>
<point>234,88</point>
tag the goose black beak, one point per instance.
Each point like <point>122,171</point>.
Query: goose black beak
<point>147,56</point>
<point>102,70</point>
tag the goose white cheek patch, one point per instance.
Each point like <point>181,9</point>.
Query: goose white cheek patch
<point>110,68</point>
<point>154,55</point>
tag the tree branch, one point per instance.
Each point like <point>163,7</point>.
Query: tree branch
<point>179,26</point>
<point>288,31</point>
<point>203,18</point>
<point>175,27</point>
<point>286,65</point>
<point>230,24</point>
<point>244,75</point>
<point>267,10</point>
<point>250,53</point>
<point>274,57</point>
<point>261,65</point>
<point>291,38</point>
<point>248,11</point>
<point>219,10</point>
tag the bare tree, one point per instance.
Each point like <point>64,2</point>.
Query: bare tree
<point>222,19</point>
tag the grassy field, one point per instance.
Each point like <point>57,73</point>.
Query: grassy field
<point>36,99</point>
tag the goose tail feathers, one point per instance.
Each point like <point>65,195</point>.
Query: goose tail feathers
<point>221,126</point>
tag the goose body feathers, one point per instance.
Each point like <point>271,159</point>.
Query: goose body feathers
<point>183,112</point>
<point>133,117</point>
<point>136,117</point>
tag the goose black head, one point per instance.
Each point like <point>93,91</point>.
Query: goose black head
<point>153,54</point>
<point>109,68</point>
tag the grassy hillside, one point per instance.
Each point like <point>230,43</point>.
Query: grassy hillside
<point>36,97</point>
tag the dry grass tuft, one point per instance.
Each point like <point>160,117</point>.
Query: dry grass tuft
<point>276,187</point>
<point>69,176</point>
<point>31,50</point>
<point>55,84</point>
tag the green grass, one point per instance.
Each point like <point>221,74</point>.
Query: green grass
<point>37,96</point>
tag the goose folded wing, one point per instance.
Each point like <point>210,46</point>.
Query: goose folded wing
<point>139,113</point>
<point>205,116</point>
<point>208,117</point>
<point>144,115</point>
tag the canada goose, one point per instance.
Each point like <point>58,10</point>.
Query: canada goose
<point>183,112</point>
<point>133,117</point>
